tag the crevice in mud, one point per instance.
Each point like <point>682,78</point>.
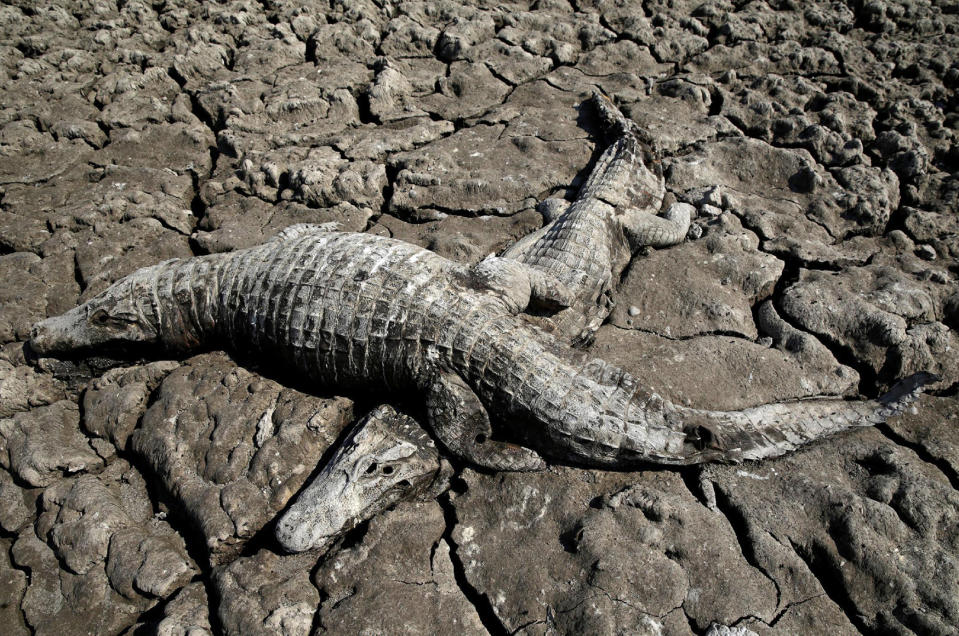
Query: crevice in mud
<point>692,479</point>
<point>740,526</point>
<point>480,601</point>
<point>500,77</point>
<point>162,501</point>
<point>28,572</point>
<point>213,603</point>
<point>364,110</point>
<point>317,626</point>
<point>716,102</point>
<point>831,580</point>
<point>148,619</point>
<point>722,333</point>
<point>528,624</point>
<point>789,606</point>
<point>392,173</point>
<point>868,379</point>
<point>689,620</point>
<point>941,464</point>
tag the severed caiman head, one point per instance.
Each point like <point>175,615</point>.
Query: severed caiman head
<point>385,459</point>
<point>123,313</point>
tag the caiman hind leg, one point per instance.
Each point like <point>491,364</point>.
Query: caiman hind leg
<point>520,285</point>
<point>460,421</point>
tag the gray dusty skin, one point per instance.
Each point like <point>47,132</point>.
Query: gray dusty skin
<point>351,310</point>
<point>356,310</point>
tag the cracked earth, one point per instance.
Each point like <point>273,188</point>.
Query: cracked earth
<point>817,141</point>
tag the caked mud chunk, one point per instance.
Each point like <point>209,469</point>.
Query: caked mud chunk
<point>698,287</point>
<point>114,403</point>
<point>540,109</point>
<point>179,148</point>
<point>884,317</point>
<point>272,46</point>
<point>361,584</point>
<point>97,555</point>
<point>931,432</point>
<point>679,116</point>
<point>461,239</point>
<point>375,142</point>
<point>131,98</point>
<point>718,372</point>
<point>762,58</point>
<point>455,174</point>
<point>17,503</point>
<point>40,445</point>
<point>300,105</point>
<point>469,90</point>
<point>187,612</point>
<point>29,157</point>
<point>267,593</point>
<point>391,95</point>
<point>860,515</point>
<point>22,388</point>
<point>33,289</point>
<point>231,447</point>
<point>234,221</point>
<point>117,249</point>
<point>317,177</point>
<point>13,583</point>
<point>107,521</point>
<point>611,551</point>
<point>807,350</point>
<point>111,193</point>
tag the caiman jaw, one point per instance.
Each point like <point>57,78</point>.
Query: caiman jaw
<point>387,458</point>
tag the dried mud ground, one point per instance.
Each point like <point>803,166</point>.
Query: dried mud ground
<point>818,141</point>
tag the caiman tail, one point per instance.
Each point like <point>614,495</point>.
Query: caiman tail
<point>596,414</point>
<point>771,430</point>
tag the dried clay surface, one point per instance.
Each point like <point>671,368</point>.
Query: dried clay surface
<point>816,145</point>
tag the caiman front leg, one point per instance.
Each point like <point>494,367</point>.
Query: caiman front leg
<point>460,421</point>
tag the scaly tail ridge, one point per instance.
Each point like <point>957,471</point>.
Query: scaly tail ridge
<point>771,430</point>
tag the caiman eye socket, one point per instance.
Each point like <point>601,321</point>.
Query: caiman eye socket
<point>100,317</point>
<point>103,318</point>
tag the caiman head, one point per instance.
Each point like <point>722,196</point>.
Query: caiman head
<point>126,312</point>
<point>385,459</point>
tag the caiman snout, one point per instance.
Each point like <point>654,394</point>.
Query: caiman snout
<point>59,334</point>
